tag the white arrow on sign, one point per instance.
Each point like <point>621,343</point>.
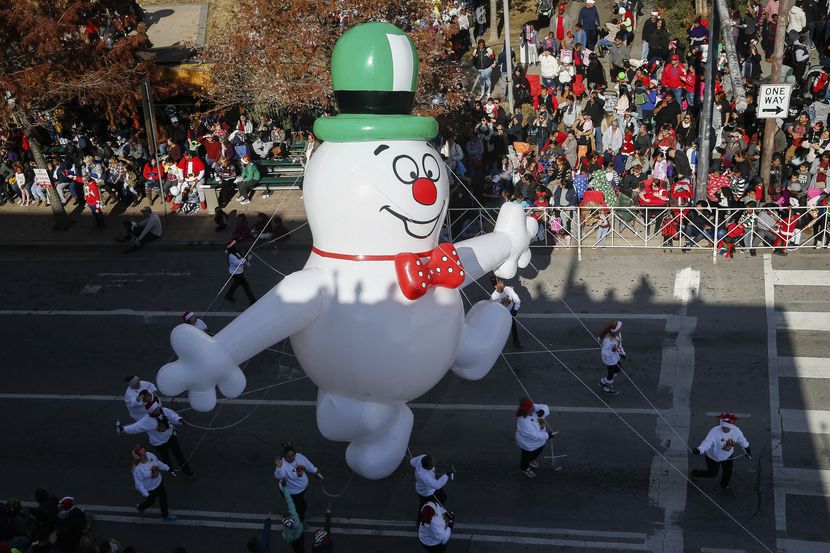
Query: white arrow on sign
<point>773,100</point>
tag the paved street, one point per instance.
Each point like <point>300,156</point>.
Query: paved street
<point>76,324</point>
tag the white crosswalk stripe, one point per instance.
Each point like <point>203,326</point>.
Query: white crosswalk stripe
<point>794,484</point>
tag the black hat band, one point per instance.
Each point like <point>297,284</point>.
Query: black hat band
<point>375,102</point>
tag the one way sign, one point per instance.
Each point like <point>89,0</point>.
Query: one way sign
<point>773,100</point>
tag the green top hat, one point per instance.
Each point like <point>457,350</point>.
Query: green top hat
<point>374,73</point>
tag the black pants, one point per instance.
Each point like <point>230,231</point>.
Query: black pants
<point>440,548</point>
<point>528,456</point>
<point>514,328</point>
<point>612,371</point>
<point>238,280</point>
<point>150,500</point>
<point>172,446</point>
<point>226,191</point>
<point>711,471</point>
<point>439,496</point>
<point>300,504</point>
<point>245,188</point>
<point>298,545</point>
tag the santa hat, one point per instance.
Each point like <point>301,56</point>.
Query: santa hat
<point>321,537</point>
<point>427,512</point>
<point>66,503</point>
<point>728,418</point>
<point>138,451</point>
<point>187,315</point>
<point>616,326</point>
<point>628,144</point>
<point>132,380</point>
<point>526,405</point>
<point>230,244</point>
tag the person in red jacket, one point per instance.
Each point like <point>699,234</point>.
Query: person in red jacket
<point>151,180</point>
<point>92,195</point>
<point>191,177</point>
<point>674,75</point>
<point>213,150</point>
<point>690,83</point>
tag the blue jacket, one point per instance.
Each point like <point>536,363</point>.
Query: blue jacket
<point>588,18</point>
<point>651,100</point>
<point>291,534</point>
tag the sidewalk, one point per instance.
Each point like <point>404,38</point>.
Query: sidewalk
<point>31,227</point>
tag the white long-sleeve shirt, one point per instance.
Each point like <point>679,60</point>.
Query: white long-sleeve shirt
<point>153,426</point>
<point>295,483</point>
<point>436,531</point>
<point>718,445</point>
<point>426,483</point>
<point>548,66</point>
<point>147,475</point>
<point>134,405</point>
<point>612,349</point>
<point>530,434</point>
<point>513,303</point>
<point>236,263</point>
<point>151,225</point>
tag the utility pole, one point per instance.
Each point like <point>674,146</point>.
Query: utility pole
<point>705,137</point>
<point>508,59</point>
<point>735,75</point>
<point>771,126</point>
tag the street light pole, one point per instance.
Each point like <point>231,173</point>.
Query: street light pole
<point>706,132</point>
<point>770,126</point>
<point>508,59</point>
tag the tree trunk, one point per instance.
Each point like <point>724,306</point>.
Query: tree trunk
<point>62,220</point>
<point>494,20</point>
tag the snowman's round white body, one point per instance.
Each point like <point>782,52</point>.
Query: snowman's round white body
<point>370,333</point>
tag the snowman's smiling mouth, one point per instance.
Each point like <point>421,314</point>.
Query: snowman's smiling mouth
<point>416,229</point>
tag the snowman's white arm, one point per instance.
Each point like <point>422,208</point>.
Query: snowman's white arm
<point>502,251</point>
<point>482,254</point>
<point>287,308</point>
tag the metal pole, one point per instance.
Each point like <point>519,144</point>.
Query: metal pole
<point>738,92</point>
<point>705,137</point>
<point>152,138</point>
<point>770,126</point>
<point>508,60</point>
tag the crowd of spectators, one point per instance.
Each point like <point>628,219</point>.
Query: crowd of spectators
<point>590,115</point>
<point>629,128</point>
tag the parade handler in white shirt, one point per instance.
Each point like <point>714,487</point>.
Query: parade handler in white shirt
<point>147,471</point>
<point>435,527</point>
<point>612,353</point>
<point>135,405</point>
<point>718,446</point>
<point>292,473</point>
<point>532,434</point>
<point>506,296</point>
<point>159,423</point>
<point>427,484</point>
<point>189,317</point>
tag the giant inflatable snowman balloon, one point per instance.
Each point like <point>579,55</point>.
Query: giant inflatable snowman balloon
<point>375,317</point>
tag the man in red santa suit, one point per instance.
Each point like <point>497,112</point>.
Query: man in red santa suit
<point>191,176</point>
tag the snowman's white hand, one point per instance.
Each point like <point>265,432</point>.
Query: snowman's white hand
<point>521,229</point>
<point>202,365</point>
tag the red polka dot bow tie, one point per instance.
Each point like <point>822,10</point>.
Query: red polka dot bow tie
<point>416,276</point>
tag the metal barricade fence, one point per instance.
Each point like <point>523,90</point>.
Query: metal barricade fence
<point>719,230</point>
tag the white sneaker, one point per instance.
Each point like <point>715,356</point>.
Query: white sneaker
<point>529,473</point>
<point>534,464</point>
<point>603,382</point>
<point>244,201</point>
<point>610,390</point>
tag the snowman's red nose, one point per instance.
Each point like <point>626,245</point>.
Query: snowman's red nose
<point>424,191</point>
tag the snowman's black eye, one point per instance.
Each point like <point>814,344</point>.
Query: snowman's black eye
<point>406,169</point>
<point>432,169</point>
